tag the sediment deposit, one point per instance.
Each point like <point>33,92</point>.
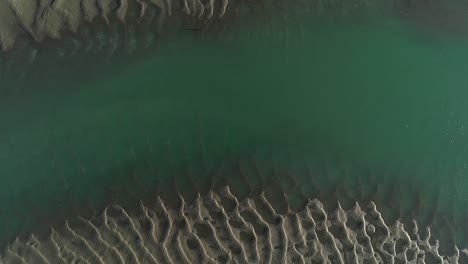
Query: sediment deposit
<point>50,19</point>
<point>218,228</point>
<point>48,35</point>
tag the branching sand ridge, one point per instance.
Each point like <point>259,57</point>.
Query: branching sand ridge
<point>218,228</point>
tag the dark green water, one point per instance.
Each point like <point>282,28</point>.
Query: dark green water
<point>377,98</point>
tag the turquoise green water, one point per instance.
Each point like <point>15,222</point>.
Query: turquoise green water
<point>375,98</point>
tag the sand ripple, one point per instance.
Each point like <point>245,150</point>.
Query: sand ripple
<point>218,228</point>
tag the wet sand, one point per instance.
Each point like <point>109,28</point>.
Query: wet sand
<point>220,228</point>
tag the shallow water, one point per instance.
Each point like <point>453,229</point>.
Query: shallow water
<point>377,98</point>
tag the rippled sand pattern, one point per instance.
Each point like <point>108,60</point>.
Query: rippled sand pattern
<point>218,228</point>
<point>51,19</point>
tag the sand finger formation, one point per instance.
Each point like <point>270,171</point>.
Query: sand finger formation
<point>40,35</point>
<point>50,19</point>
<point>218,228</point>
<point>47,35</point>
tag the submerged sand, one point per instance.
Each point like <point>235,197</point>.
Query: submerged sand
<point>48,19</point>
<point>220,228</point>
<point>38,37</point>
<point>40,20</point>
